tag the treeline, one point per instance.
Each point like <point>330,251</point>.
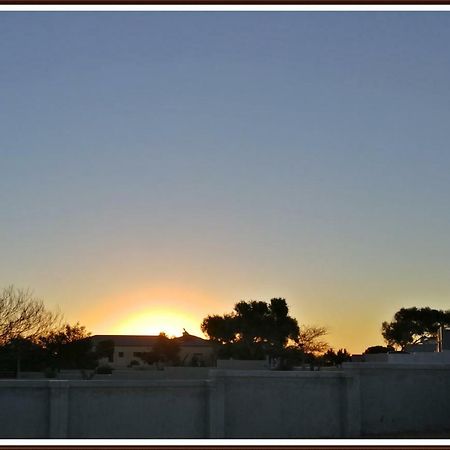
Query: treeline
<point>411,326</point>
<point>259,330</point>
<point>33,338</point>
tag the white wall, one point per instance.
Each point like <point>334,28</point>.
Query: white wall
<point>412,399</point>
<point>25,409</point>
<point>137,409</point>
<point>362,400</point>
<point>420,358</point>
<point>264,404</point>
<point>242,364</point>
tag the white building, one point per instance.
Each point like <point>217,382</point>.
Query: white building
<point>431,351</point>
<point>127,348</point>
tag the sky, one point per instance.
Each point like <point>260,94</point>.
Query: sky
<point>157,167</point>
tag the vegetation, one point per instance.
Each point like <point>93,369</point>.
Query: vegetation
<point>413,325</point>
<point>22,316</point>
<point>105,349</point>
<point>258,329</point>
<point>253,330</point>
<point>311,340</point>
<point>164,351</point>
<point>376,349</point>
<point>68,348</point>
<point>34,338</point>
<point>332,358</point>
<point>104,369</point>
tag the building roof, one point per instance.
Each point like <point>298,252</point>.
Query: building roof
<point>124,340</point>
<point>191,340</point>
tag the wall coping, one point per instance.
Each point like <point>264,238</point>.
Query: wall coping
<point>52,384</point>
<point>294,374</point>
<point>394,366</point>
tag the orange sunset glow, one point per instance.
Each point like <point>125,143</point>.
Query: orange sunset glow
<point>208,159</point>
<point>151,311</point>
<point>155,321</point>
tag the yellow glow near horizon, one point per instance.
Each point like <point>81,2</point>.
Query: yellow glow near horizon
<point>153,322</point>
<point>151,310</point>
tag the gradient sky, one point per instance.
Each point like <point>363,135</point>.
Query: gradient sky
<point>157,167</point>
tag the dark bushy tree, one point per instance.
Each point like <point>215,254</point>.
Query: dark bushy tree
<point>413,325</point>
<point>221,329</point>
<point>332,358</point>
<point>66,348</point>
<point>253,330</point>
<point>376,349</point>
<point>105,349</point>
<point>165,350</point>
<point>21,354</point>
<point>69,348</point>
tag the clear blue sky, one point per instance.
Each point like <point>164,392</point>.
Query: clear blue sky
<point>185,160</point>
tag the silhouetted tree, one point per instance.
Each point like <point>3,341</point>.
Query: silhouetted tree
<point>165,350</point>
<point>105,349</point>
<point>342,356</point>
<point>413,325</point>
<point>69,348</point>
<point>23,319</point>
<point>287,357</point>
<point>23,316</point>
<point>253,329</point>
<point>376,349</point>
<point>280,326</point>
<point>336,358</point>
<point>221,329</point>
<point>21,354</point>
<point>310,340</point>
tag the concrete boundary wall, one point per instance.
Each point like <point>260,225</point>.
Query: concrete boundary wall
<point>361,400</point>
<point>403,399</point>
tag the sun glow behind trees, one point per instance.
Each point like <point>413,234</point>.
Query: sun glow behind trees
<point>149,311</point>
<point>153,322</point>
